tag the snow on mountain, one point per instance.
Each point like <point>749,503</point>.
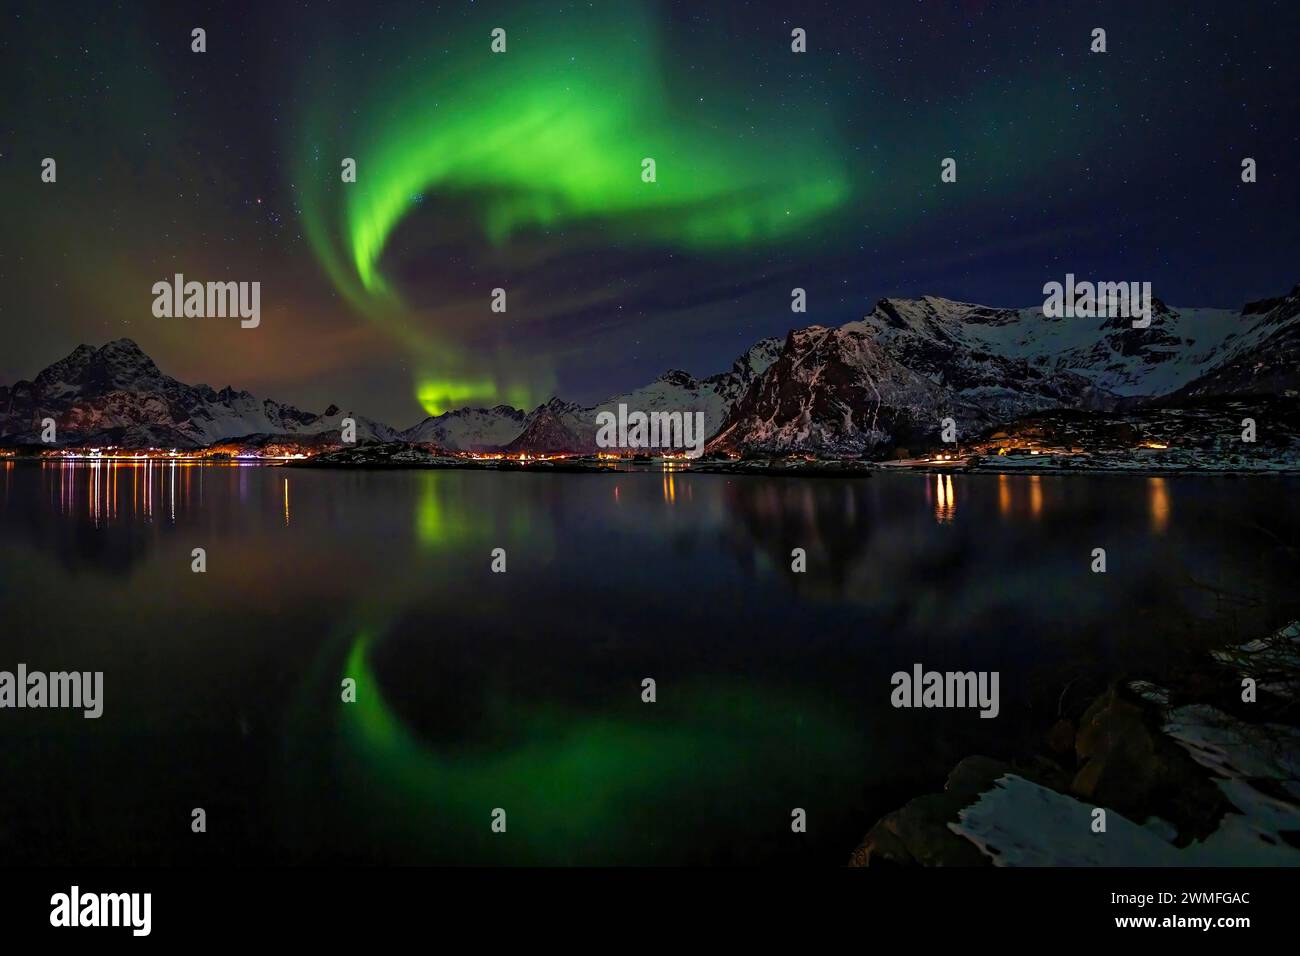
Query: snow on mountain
<point>964,345</point>
<point>833,391</point>
<point>732,384</point>
<point>566,426</point>
<point>889,377</point>
<point>984,356</point>
<point>117,395</point>
<point>1263,361</point>
<point>469,429</point>
<point>678,391</point>
<point>560,426</point>
<point>828,392</point>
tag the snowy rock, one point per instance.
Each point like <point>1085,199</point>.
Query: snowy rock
<point>116,395</point>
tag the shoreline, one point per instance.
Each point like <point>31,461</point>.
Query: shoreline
<point>1189,774</point>
<point>828,468</point>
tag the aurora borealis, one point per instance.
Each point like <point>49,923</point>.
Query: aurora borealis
<point>542,145</point>
<point>522,171</point>
<point>733,582</point>
<point>553,135</point>
<point>571,775</point>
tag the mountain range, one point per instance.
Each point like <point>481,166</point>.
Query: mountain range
<point>885,380</point>
<point>892,376</point>
<point>116,395</point>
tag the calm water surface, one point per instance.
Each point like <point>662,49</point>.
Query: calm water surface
<point>522,690</point>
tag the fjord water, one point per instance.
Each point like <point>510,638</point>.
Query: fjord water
<point>523,690</point>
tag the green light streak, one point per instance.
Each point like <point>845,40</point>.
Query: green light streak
<point>546,137</point>
<point>436,397</point>
<point>579,785</point>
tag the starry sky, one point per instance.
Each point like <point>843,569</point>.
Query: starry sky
<point>523,171</point>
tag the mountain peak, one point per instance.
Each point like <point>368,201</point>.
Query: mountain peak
<point>117,365</point>
<point>557,404</point>
<point>675,376</point>
<point>122,346</point>
<point>932,313</point>
<point>934,302</point>
<point>116,394</point>
<point>1261,306</point>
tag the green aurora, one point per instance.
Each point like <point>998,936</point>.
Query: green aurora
<point>577,784</point>
<point>550,135</point>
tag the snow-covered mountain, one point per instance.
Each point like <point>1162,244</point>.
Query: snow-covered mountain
<point>469,429</point>
<point>116,395</point>
<point>885,380</point>
<point>971,348</point>
<point>856,388</point>
<point>833,391</point>
<point>678,391</point>
<point>560,426</point>
<point>1265,361</point>
<point>732,384</point>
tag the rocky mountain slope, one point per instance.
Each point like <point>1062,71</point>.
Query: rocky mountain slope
<point>833,391</point>
<point>116,395</point>
<point>559,426</point>
<point>892,376</point>
<point>469,429</point>
<point>884,381</point>
<point>1265,361</point>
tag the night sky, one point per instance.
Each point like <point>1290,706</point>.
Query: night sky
<point>522,170</point>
